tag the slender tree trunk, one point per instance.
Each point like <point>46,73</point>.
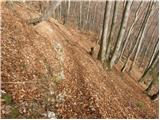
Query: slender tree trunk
<point>69,4</point>
<point>60,12</point>
<point>99,37</point>
<point>49,10</point>
<point>64,12</point>
<point>80,15</point>
<point>110,33</point>
<point>150,41</point>
<point>141,53</point>
<point>105,30</point>
<point>94,17</point>
<point>144,31</point>
<point>153,64</point>
<point>136,44</point>
<point>86,23</point>
<point>130,30</point>
<point>129,56</point>
<point>47,13</point>
<point>153,54</point>
<point>121,33</point>
<point>150,86</point>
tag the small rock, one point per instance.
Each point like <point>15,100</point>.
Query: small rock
<point>51,115</point>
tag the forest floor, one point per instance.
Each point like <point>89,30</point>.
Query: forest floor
<point>59,77</point>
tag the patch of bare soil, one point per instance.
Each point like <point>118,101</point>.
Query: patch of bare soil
<point>48,73</point>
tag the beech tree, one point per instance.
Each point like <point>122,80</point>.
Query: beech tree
<point>69,5</point>
<point>151,67</point>
<point>148,46</point>
<point>129,56</point>
<point>87,19</point>
<point>105,30</point>
<point>109,37</point>
<point>136,39</point>
<point>121,33</point>
<point>154,79</point>
<point>153,54</point>
<point>137,15</point>
<point>89,16</point>
<point>144,31</point>
<point>47,12</point>
<point>80,15</point>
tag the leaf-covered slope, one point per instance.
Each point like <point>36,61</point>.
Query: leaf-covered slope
<point>47,68</point>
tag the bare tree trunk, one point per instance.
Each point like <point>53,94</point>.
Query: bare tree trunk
<point>109,38</point>
<point>154,79</point>
<point>130,30</point>
<point>80,15</point>
<point>47,13</point>
<point>99,37</point>
<point>49,10</point>
<point>69,4</point>
<point>153,54</point>
<point>150,41</point>
<point>64,12</point>
<point>60,12</point>
<point>121,33</point>
<point>86,23</point>
<point>153,64</point>
<point>94,17</point>
<point>136,44</point>
<point>144,31</point>
<point>141,52</point>
<point>150,86</point>
<point>129,56</point>
<point>105,30</point>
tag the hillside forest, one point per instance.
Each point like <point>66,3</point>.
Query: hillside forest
<point>79,59</point>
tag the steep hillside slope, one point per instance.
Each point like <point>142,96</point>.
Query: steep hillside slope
<point>47,72</point>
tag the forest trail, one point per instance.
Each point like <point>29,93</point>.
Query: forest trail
<point>87,90</point>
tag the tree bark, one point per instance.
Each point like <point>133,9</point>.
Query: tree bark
<point>150,41</point>
<point>94,17</point>
<point>64,12</point>
<point>129,56</point>
<point>153,64</point>
<point>86,23</point>
<point>150,86</point>
<point>130,30</point>
<point>144,31</point>
<point>80,15</point>
<point>141,53</point>
<point>69,4</point>
<point>105,30</point>
<point>110,33</point>
<point>121,33</point>
<point>137,41</point>
<point>47,13</point>
<point>153,54</point>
